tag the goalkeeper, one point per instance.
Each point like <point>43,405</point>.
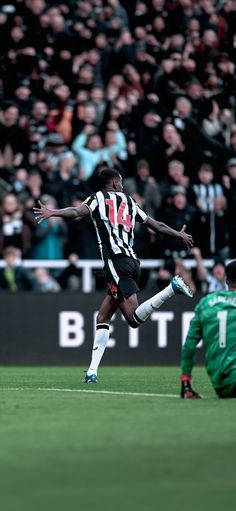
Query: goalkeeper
<point>215,323</point>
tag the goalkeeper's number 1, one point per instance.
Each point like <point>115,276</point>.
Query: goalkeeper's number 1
<point>222,317</point>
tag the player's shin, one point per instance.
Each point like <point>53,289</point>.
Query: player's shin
<point>100,341</point>
<point>145,309</point>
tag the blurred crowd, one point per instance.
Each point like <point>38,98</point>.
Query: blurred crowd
<point>148,87</point>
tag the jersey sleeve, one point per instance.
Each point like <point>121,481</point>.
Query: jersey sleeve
<point>189,348</point>
<point>141,216</point>
<point>91,202</point>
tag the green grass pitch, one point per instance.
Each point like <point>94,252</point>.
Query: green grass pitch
<point>99,451</point>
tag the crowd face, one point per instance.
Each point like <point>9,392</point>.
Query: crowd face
<point>22,175</point>
<point>66,164</point>
<point>57,23</point>
<point>34,180</point>
<point>219,272</point>
<point>170,134</point>
<point>143,172</point>
<point>17,34</point>
<point>140,33</point>
<point>41,275</point>
<point>193,25</point>
<point>159,24</point>
<point>179,201</point>
<point>176,170</point>
<point>23,93</point>
<point>177,41</point>
<point>186,4</point>
<point>101,41</point>
<point>40,110</point>
<point>9,204</point>
<point>36,6</point>
<point>110,138</point>
<point>151,120</point>
<point>11,259</point>
<point>232,171</point>
<point>89,114</point>
<point>86,75</point>
<point>94,143</point>
<point>205,175</point>
<point>233,140</point>
<point>183,107</point>
<point>158,5</point>
<point>210,39</point>
<point>97,94</point>
<point>62,92</point>
<point>10,116</point>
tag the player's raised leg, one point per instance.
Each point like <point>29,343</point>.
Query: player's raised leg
<point>106,311</point>
<point>136,314</point>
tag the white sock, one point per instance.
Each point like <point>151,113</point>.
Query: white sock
<point>144,310</point>
<point>99,345</point>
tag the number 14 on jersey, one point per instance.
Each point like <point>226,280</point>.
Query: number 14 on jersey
<point>121,218</point>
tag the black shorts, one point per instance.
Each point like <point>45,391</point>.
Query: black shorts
<point>123,275</point>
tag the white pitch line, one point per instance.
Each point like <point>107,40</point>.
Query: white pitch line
<point>86,391</point>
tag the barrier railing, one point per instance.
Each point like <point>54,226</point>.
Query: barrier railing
<point>88,265</point>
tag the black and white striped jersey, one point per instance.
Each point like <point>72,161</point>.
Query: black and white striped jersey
<point>114,215</point>
<point>206,195</point>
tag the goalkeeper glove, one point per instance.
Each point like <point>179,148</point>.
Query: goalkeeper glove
<point>187,391</point>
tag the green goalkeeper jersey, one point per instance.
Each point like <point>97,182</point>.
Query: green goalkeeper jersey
<point>215,323</point>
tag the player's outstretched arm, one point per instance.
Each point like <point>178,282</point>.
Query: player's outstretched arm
<point>188,357</point>
<point>43,213</point>
<point>165,229</point>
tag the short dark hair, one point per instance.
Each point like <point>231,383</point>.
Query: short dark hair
<point>230,271</point>
<point>107,175</point>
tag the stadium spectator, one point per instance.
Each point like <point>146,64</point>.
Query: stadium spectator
<point>230,192</point>
<point>90,150</point>
<point>61,111</point>
<point>34,185</point>
<point>82,239</point>
<point>54,150</point>
<point>40,124</point>
<point>19,184</point>
<point>15,230</point>
<point>148,138</point>
<point>13,139</point>
<point>210,281</point>
<point>175,177</point>
<point>177,212</point>
<point>49,238</point>
<point>65,180</point>
<point>44,282</point>
<point>210,199</point>
<point>144,189</point>
<point>99,102</point>
<point>217,124</point>
<point>232,143</point>
<point>170,147</point>
<point>70,278</point>
<point>14,277</point>
<point>23,99</point>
